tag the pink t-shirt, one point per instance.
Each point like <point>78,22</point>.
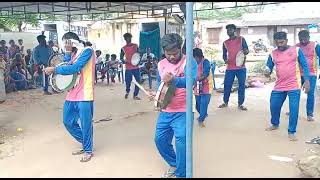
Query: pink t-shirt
<point>129,50</point>
<point>311,57</point>
<point>287,69</point>
<point>178,102</point>
<point>233,46</point>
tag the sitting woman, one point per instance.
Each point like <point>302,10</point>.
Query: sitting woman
<point>19,79</point>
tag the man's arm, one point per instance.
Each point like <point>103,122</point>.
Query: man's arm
<point>206,69</point>
<point>224,50</point>
<point>35,56</point>
<point>122,56</point>
<point>180,82</point>
<point>318,52</point>
<point>269,65</point>
<point>245,46</point>
<point>303,63</point>
<point>76,67</point>
<point>67,57</point>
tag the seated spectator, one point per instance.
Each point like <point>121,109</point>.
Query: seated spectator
<point>18,79</point>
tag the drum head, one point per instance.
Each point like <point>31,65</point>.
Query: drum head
<point>61,83</point>
<point>135,59</point>
<point>168,96</point>
<point>240,58</point>
<point>56,59</point>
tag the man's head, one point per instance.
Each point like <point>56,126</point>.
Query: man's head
<point>29,51</point>
<point>75,38</point>
<point>127,37</point>
<point>197,54</point>
<point>18,57</point>
<point>3,43</point>
<point>148,50</point>
<point>20,41</point>
<point>50,43</point>
<point>304,37</point>
<point>231,30</point>
<point>280,40</point>
<point>171,44</point>
<point>98,53</point>
<point>113,57</point>
<point>42,39</point>
<point>12,43</point>
<point>107,57</point>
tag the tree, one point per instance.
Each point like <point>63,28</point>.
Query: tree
<point>16,21</point>
<point>226,14</point>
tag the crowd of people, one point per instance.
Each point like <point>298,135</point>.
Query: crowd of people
<point>296,69</point>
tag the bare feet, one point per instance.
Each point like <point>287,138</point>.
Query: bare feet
<point>86,157</point>
<point>243,108</point>
<point>292,137</point>
<point>310,118</point>
<point>271,128</point>
<point>170,173</point>
<point>201,124</point>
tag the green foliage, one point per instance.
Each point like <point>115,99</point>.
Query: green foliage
<point>211,53</point>
<point>259,67</point>
<point>226,14</point>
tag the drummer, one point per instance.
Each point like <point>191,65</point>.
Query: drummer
<point>126,52</point>
<point>172,120</point>
<point>79,101</point>
<point>231,47</point>
<point>205,88</point>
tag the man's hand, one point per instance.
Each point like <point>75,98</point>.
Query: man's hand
<point>168,78</point>
<point>49,70</point>
<point>306,86</point>
<point>151,95</point>
<point>68,46</point>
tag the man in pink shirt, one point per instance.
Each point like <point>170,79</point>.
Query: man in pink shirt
<point>231,47</point>
<point>287,60</point>
<point>311,50</point>
<point>172,120</point>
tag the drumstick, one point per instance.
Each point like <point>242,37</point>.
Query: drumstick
<point>140,87</point>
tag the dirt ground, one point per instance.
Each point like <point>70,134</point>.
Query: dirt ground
<point>233,143</point>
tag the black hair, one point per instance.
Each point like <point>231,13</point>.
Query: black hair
<point>88,43</point>
<point>197,52</point>
<point>171,41</point>
<point>98,51</point>
<point>280,35</point>
<point>40,37</point>
<point>231,26</point>
<point>11,41</point>
<point>71,35</point>
<point>127,35</point>
<point>114,56</point>
<point>20,40</point>
<point>304,33</point>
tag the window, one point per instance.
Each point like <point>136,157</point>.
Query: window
<point>213,35</point>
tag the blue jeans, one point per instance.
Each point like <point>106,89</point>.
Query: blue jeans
<point>276,101</point>
<point>202,102</point>
<point>170,124</point>
<point>83,110</point>
<point>46,83</point>
<point>228,81</point>
<point>310,98</point>
<point>128,79</point>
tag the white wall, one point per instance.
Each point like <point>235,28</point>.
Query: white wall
<point>29,39</point>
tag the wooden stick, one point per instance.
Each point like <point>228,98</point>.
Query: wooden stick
<point>139,86</point>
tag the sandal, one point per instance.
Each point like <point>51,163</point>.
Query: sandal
<point>136,98</point>
<point>223,105</point>
<point>241,107</point>
<point>78,152</point>
<point>86,157</point>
